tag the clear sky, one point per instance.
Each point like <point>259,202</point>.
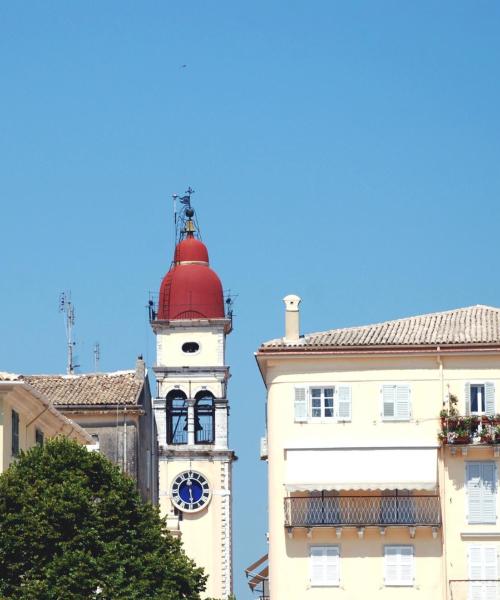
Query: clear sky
<point>348,152</point>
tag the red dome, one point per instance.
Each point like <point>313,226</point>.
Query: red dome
<point>191,290</point>
<point>191,250</point>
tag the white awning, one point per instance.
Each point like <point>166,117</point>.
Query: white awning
<point>361,469</point>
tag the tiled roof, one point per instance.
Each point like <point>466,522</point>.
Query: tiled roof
<point>96,389</point>
<point>471,325</point>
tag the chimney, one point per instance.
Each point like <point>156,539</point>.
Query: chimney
<point>140,368</point>
<point>292,317</point>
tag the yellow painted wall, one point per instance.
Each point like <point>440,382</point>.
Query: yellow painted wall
<point>362,559</point>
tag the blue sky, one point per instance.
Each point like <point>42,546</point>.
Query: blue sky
<point>344,151</point>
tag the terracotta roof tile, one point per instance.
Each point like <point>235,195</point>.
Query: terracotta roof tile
<point>471,325</point>
<point>96,389</point>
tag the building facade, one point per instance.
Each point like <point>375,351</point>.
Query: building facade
<point>28,418</point>
<point>116,410</point>
<point>191,408</point>
<point>383,458</point>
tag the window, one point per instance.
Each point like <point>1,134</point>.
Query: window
<point>398,565</point>
<point>177,415</point>
<point>318,402</point>
<point>190,347</point>
<point>15,433</point>
<point>396,402</point>
<point>481,492</point>
<point>483,565</point>
<point>325,565</point>
<point>480,398</point>
<point>321,402</point>
<point>39,437</point>
<point>204,425</point>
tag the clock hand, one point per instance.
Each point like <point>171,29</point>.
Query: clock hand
<point>191,495</point>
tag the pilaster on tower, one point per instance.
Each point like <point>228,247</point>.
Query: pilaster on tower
<point>191,407</point>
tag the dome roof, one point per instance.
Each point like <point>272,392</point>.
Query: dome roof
<point>191,290</point>
<point>191,249</point>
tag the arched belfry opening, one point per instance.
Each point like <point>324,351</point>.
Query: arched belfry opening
<point>204,418</point>
<point>177,417</point>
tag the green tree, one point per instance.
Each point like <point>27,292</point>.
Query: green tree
<point>72,527</point>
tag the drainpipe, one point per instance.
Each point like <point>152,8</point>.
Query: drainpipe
<point>442,484</point>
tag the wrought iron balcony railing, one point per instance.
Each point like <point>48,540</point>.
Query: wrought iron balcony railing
<point>362,511</point>
<point>474,589</point>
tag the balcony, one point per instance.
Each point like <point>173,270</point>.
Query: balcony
<point>470,430</point>
<point>362,511</point>
<point>474,589</point>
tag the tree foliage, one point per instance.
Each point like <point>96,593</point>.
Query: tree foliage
<point>72,527</point>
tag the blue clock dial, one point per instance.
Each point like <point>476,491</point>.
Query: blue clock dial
<point>190,491</point>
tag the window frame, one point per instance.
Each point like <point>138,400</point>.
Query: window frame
<point>468,397</point>
<point>335,418</point>
<point>15,428</point>
<point>325,583</point>
<point>399,582</point>
<point>39,437</point>
<point>483,520</point>
<point>396,418</point>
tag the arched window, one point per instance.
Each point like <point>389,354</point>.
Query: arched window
<point>177,417</point>
<point>204,422</point>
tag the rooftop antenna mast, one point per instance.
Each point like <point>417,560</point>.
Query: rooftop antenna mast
<point>67,307</point>
<point>97,356</point>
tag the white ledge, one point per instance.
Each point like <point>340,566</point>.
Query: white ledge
<point>474,535</point>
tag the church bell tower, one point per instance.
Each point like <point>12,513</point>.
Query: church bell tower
<point>191,407</point>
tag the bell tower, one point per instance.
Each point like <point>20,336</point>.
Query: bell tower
<point>191,407</point>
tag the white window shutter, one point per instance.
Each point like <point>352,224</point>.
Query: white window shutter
<point>398,565</point>
<point>300,404</point>
<point>488,493</point>
<point>474,492</point>
<point>332,565</point>
<point>317,567</point>
<point>403,402</point>
<point>406,565</point>
<point>467,398</point>
<point>490,562</point>
<point>344,402</point>
<point>489,394</point>
<point>325,565</point>
<point>388,401</point>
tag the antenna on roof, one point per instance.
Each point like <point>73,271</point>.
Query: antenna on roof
<point>97,356</point>
<point>67,307</point>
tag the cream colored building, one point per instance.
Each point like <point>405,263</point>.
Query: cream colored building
<point>191,410</point>
<point>27,418</point>
<point>364,500</point>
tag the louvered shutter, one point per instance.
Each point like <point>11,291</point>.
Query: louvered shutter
<point>402,402</point>
<point>488,493</point>
<point>406,565</point>
<point>475,572</point>
<point>398,565</point>
<point>467,398</point>
<point>490,571</point>
<point>344,402</point>
<point>489,394</point>
<point>300,404</point>
<point>388,401</point>
<point>474,492</point>
<point>483,565</point>
<point>332,565</point>
<point>317,567</point>
<point>481,492</point>
<point>325,565</point>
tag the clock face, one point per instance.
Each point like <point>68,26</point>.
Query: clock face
<point>190,491</point>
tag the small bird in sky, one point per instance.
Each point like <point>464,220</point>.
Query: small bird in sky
<point>183,66</point>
